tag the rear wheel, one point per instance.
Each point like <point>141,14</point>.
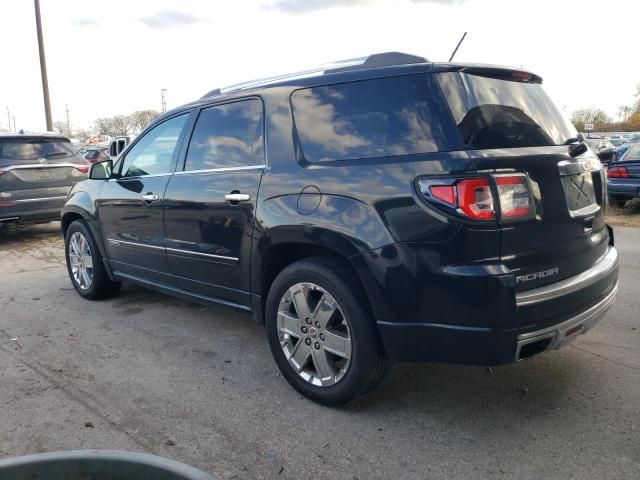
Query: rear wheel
<point>84,264</point>
<point>321,332</point>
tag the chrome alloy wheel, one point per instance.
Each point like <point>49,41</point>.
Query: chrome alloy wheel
<point>81,261</point>
<point>314,334</point>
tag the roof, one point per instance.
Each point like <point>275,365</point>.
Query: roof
<point>33,135</point>
<point>377,60</point>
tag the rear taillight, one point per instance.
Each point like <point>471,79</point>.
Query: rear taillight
<point>618,172</point>
<point>475,199</point>
<point>504,196</point>
<point>80,170</point>
<point>514,197</point>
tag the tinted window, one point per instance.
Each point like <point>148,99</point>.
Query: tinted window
<point>494,113</point>
<point>227,136</point>
<point>31,149</point>
<point>369,119</point>
<point>155,153</point>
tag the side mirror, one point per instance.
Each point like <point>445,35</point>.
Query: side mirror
<point>101,171</point>
<point>577,149</point>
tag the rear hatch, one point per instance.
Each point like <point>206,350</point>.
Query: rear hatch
<point>510,126</point>
<point>42,164</point>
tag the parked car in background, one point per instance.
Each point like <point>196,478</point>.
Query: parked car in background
<point>626,144</point>
<point>623,177</point>
<point>36,173</point>
<point>603,148</point>
<point>486,244</point>
<point>117,145</point>
<point>96,155</point>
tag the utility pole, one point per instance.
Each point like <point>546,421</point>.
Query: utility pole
<point>9,119</point>
<point>14,125</point>
<point>66,108</point>
<point>43,68</point>
<point>163,92</point>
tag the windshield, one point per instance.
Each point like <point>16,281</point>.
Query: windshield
<point>31,149</point>
<point>495,113</point>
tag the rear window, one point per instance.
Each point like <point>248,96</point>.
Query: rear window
<point>30,149</point>
<point>633,153</point>
<point>494,113</point>
<point>369,119</point>
<point>91,154</point>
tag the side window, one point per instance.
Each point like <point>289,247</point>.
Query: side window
<point>155,153</point>
<point>371,118</point>
<point>227,136</point>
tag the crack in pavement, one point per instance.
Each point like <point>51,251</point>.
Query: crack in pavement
<point>633,367</point>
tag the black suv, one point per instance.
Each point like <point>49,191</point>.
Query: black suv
<point>386,208</point>
<point>36,173</point>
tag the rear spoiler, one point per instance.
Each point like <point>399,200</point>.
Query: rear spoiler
<point>489,71</point>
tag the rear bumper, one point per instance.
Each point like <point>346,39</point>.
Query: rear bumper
<point>29,210</point>
<point>623,188</point>
<point>554,314</point>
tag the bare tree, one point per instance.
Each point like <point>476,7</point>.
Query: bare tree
<point>142,118</point>
<point>121,125</point>
<point>102,126</point>
<point>61,128</point>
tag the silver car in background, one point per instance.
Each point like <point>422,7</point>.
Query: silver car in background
<point>36,173</point>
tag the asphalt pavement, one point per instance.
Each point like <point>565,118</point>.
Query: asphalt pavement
<point>147,372</point>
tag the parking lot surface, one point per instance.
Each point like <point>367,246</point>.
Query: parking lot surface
<point>147,372</point>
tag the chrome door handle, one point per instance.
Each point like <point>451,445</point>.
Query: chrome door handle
<point>237,197</point>
<point>150,197</point>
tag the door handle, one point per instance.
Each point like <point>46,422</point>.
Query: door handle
<point>150,197</point>
<point>237,197</point>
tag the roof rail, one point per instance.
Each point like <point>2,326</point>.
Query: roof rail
<point>376,60</point>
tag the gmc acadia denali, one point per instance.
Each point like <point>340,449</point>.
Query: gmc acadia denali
<point>379,209</point>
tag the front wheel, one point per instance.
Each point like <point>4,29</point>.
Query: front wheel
<point>84,264</point>
<point>321,333</point>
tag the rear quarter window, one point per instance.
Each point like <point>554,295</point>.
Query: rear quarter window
<point>370,119</point>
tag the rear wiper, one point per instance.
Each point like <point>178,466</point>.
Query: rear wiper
<point>54,154</point>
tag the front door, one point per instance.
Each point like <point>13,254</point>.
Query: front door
<point>210,204</point>
<point>130,206</point>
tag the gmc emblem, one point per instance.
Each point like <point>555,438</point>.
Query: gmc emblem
<point>537,275</point>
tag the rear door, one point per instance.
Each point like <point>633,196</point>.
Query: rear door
<point>510,125</point>
<point>37,172</point>
<point>210,204</point>
<point>130,205</point>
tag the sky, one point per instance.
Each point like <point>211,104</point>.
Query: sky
<point>108,57</point>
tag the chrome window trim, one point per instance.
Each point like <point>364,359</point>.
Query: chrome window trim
<point>28,200</point>
<point>209,255</point>
<point>572,284</point>
<point>133,177</point>
<point>222,169</point>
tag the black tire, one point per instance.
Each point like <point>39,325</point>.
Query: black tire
<point>367,365</point>
<point>617,202</point>
<point>101,285</point>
